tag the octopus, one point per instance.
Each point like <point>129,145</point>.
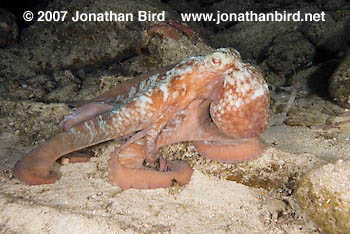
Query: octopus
<point>215,101</point>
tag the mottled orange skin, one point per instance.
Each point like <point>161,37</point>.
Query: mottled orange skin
<point>216,101</point>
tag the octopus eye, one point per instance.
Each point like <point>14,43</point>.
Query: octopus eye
<point>216,61</point>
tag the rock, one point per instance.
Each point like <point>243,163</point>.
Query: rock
<point>325,196</point>
<point>329,35</point>
<point>78,44</point>
<point>330,5</point>
<point>8,28</point>
<point>252,39</point>
<point>290,52</point>
<point>63,94</point>
<point>34,121</point>
<point>47,47</point>
<point>166,51</point>
<point>339,83</point>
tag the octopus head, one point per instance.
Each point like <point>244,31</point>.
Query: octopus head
<point>240,105</point>
<point>222,59</point>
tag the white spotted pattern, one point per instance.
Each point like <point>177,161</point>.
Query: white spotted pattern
<point>146,103</point>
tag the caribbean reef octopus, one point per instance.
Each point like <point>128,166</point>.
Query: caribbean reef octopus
<point>216,101</point>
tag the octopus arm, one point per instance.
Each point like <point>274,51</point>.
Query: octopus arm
<point>126,170</point>
<point>230,153</point>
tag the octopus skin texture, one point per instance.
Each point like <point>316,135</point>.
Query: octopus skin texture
<point>215,101</point>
